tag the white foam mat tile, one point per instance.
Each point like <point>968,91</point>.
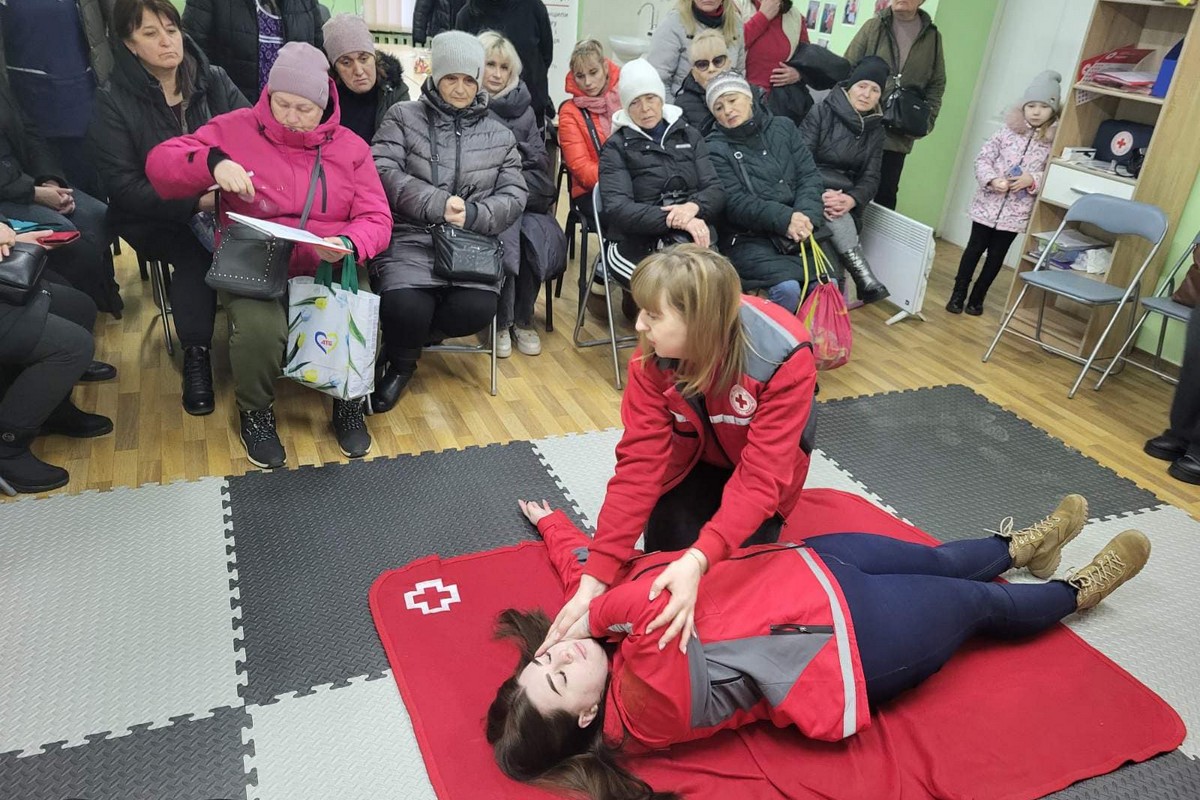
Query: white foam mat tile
<point>118,611</point>
<point>350,742</point>
<point>582,463</point>
<point>825,473</point>
<point>1149,626</point>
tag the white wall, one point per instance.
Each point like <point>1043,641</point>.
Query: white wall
<point>604,18</point>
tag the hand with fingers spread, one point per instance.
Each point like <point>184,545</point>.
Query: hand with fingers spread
<point>682,580</point>
<point>533,512</point>
<point>233,178</point>
<point>575,610</point>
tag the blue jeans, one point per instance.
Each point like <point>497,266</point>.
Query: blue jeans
<point>913,606</point>
<point>786,294</point>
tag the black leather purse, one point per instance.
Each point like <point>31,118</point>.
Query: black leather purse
<point>250,263</point>
<point>905,109</point>
<point>21,272</point>
<point>460,255</point>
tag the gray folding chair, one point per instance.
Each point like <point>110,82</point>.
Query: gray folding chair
<point>1158,303</point>
<point>585,278</point>
<point>489,348</point>
<point>160,279</point>
<point>1112,214</point>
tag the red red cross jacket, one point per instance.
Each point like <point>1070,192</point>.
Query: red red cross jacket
<point>758,425</point>
<point>774,641</point>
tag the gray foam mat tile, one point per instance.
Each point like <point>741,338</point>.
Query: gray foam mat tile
<point>956,465</point>
<point>116,613</point>
<point>200,759</point>
<point>583,464</point>
<point>350,742</point>
<point>1171,776</point>
<point>310,542</point>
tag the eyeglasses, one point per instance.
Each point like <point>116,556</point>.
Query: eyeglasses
<point>717,62</point>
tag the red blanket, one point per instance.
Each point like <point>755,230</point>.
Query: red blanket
<point>1001,720</point>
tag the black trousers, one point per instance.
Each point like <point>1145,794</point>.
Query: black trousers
<point>193,304</point>
<point>411,318</point>
<point>33,386</point>
<point>889,178</point>
<point>995,244</point>
<point>1185,407</point>
<point>680,513</point>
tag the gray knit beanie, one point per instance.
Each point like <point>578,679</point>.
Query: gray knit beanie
<point>347,33</point>
<point>639,77</point>
<point>456,53</point>
<point>303,70</point>
<point>723,84</point>
<point>1046,88</point>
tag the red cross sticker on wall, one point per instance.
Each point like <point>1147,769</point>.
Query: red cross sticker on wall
<point>431,597</point>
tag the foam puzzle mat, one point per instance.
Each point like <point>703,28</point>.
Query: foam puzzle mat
<point>212,639</point>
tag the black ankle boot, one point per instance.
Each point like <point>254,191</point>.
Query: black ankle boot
<point>957,297</point>
<point>98,371</point>
<point>69,420</point>
<point>975,301</point>
<point>21,469</point>
<point>198,397</point>
<point>261,440</point>
<point>868,288</point>
<point>350,428</point>
<point>389,388</point>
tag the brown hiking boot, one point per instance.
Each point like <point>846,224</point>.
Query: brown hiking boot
<point>1039,547</point>
<point>1120,560</point>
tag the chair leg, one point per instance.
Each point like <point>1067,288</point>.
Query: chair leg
<point>143,267</point>
<point>558,285</point>
<point>1124,346</point>
<point>116,246</point>
<point>1004,323</point>
<point>1095,350</point>
<point>6,489</point>
<point>158,287</point>
<point>612,329</point>
<point>550,304</point>
<point>493,356</point>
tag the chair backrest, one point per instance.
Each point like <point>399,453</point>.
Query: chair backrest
<point>1120,216</point>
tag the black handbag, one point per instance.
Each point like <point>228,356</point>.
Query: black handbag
<point>818,66</point>
<point>21,272</point>
<point>460,255</point>
<point>250,263</point>
<point>905,109</point>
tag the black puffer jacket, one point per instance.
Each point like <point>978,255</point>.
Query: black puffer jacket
<point>515,110</point>
<point>227,31</point>
<point>526,24</point>
<point>22,326</point>
<point>690,99</point>
<point>132,116</point>
<point>846,145</point>
<point>431,17</point>
<point>635,171</point>
<point>481,150</point>
<point>25,159</point>
<point>390,88</point>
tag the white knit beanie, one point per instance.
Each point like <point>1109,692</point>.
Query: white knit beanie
<point>1046,88</point>
<point>639,77</point>
<point>455,53</point>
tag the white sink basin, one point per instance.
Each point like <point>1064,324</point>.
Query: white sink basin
<point>627,48</point>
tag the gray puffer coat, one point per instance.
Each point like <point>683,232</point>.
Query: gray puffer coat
<point>483,154</point>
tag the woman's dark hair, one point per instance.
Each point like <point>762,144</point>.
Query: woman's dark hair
<point>127,15</point>
<point>553,752</point>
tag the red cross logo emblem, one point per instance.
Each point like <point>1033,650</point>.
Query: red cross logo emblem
<point>432,597</point>
<point>1122,143</point>
<point>742,401</point>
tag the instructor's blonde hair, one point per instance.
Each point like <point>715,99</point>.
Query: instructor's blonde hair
<point>702,286</point>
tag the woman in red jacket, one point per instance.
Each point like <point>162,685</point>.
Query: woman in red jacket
<point>592,84</point>
<point>811,636</point>
<point>717,417</point>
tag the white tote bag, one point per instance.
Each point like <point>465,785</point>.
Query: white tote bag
<point>332,333</point>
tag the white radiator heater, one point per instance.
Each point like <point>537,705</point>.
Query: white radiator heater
<point>901,254</point>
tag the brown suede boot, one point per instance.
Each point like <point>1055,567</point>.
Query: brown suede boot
<point>1039,547</point>
<point>1120,560</point>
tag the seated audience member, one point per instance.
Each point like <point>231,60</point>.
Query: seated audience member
<point>163,86</point>
<point>772,187</point>
<point>670,42</point>
<point>244,38</point>
<point>510,103</point>
<point>525,23</point>
<point>33,189</point>
<point>710,58</point>
<point>369,81</point>
<point>479,188</point>
<point>1180,443</point>
<point>592,84</point>
<point>657,184</point>
<point>262,158</point>
<point>845,134</point>
<point>46,346</point>
<point>56,55</point>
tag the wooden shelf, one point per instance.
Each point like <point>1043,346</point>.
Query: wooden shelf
<point>1108,91</point>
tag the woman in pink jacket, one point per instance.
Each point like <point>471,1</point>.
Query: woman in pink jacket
<point>1009,169</point>
<point>262,160</point>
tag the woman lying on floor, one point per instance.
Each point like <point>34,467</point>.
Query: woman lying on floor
<point>812,636</point>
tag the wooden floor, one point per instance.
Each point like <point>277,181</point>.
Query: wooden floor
<point>568,390</point>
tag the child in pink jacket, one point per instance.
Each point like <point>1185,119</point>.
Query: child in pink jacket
<point>1009,169</point>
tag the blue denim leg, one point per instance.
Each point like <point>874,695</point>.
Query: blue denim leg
<point>786,294</point>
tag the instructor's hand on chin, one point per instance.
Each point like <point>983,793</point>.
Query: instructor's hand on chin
<point>575,610</point>
<point>682,580</point>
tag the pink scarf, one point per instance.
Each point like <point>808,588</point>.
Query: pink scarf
<point>602,107</point>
